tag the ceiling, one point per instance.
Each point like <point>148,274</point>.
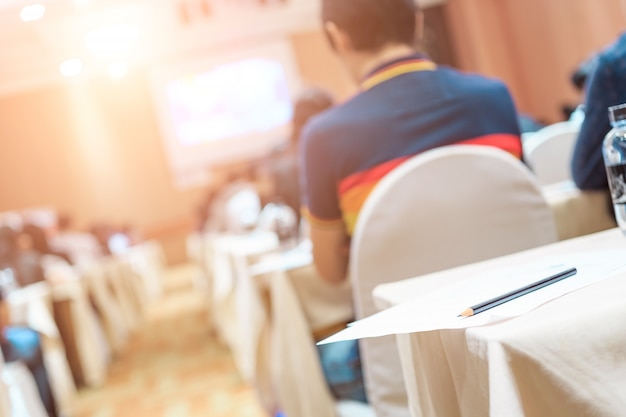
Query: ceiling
<point>165,30</point>
<point>32,52</point>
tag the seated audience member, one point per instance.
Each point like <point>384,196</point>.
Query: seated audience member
<point>407,105</point>
<point>23,262</point>
<point>284,163</point>
<point>36,240</point>
<point>102,232</point>
<point>81,247</point>
<point>236,204</point>
<point>606,87</point>
<point>579,80</point>
<point>24,345</point>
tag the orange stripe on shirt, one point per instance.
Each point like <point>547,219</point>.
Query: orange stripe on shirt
<point>353,200</point>
<point>369,176</point>
<point>355,189</point>
<point>393,71</point>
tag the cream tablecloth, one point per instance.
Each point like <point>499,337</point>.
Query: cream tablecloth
<point>566,358</point>
<point>291,302</point>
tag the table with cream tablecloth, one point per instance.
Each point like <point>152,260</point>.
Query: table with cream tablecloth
<point>565,358</point>
<point>291,303</point>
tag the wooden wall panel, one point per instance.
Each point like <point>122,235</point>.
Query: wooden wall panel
<point>533,44</point>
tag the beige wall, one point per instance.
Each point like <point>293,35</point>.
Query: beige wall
<point>533,44</point>
<point>93,148</point>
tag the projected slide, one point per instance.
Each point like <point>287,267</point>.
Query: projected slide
<point>232,100</point>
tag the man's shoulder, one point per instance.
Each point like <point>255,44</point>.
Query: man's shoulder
<point>327,125</point>
<point>477,83</point>
<point>614,54</point>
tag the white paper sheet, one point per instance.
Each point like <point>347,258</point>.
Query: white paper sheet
<point>440,309</point>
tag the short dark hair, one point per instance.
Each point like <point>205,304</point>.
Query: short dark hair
<point>583,72</point>
<point>372,24</point>
<point>310,103</point>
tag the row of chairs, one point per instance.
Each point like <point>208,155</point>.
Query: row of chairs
<point>444,208</point>
<point>85,315</point>
<point>549,151</point>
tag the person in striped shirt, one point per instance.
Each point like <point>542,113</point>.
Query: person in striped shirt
<point>407,105</point>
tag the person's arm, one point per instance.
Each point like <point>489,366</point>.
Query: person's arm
<point>331,250</point>
<point>321,207</point>
<point>588,169</point>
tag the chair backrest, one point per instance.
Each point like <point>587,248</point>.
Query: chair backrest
<point>446,207</point>
<point>5,401</point>
<point>549,151</point>
<point>19,391</point>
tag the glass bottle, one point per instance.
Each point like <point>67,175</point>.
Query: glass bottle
<point>614,151</point>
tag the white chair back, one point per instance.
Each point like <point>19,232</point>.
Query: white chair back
<point>447,207</point>
<point>549,151</point>
<point>107,307</point>
<point>5,400</point>
<point>32,305</point>
<point>148,260</point>
<point>19,392</point>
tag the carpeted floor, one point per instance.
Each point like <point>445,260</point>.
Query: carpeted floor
<point>172,366</point>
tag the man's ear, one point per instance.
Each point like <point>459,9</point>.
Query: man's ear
<point>339,40</point>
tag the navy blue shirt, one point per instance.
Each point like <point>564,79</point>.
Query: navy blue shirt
<point>605,88</point>
<point>406,107</point>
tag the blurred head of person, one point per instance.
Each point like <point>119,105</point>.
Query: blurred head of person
<point>64,222</point>
<point>366,33</point>
<point>34,238</point>
<point>8,246</point>
<point>311,102</point>
<point>583,72</point>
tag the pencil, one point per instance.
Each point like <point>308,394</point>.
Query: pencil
<point>486,305</point>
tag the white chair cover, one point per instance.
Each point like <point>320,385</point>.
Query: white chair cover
<point>232,255</point>
<point>5,401</point>
<point>110,312</point>
<point>549,151</point>
<point>120,276</point>
<point>447,207</point>
<point>93,357</point>
<point>19,396</point>
<point>288,374</point>
<point>148,260</point>
<point>32,305</point>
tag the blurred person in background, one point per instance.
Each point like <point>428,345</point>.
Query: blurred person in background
<point>605,87</point>
<point>23,344</point>
<point>82,248</point>
<point>236,204</point>
<point>35,239</point>
<point>579,79</point>
<point>102,232</point>
<point>17,256</point>
<point>284,163</point>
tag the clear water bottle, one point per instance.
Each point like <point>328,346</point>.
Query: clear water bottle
<point>614,151</point>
